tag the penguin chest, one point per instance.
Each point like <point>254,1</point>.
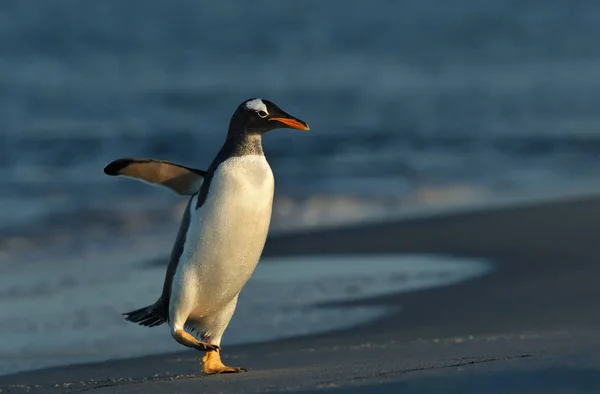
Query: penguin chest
<point>228,232</point>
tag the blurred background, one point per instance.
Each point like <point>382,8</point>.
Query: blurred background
<point>411,103</point>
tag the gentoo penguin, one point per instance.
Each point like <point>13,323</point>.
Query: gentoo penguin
<point>222,233</point>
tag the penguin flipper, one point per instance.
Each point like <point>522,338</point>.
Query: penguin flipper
<point>179,178</point>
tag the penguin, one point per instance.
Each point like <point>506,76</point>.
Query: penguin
<point>222,232</point>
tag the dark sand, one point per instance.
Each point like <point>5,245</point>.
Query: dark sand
<point>531,326</point>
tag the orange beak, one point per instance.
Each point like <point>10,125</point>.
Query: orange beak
<point>293,123</point>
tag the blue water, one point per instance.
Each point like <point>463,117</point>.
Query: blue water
<point>401,96</point>
<point>410,103</point>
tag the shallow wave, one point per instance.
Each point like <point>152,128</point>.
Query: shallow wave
<point>76,305</point>
<point>137,219</point>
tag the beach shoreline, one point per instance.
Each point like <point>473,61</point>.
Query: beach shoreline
<point>536,312</point>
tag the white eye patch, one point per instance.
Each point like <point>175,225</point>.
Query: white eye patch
<point>257,105</point>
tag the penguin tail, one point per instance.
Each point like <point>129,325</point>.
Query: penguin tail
<point>147,316</point>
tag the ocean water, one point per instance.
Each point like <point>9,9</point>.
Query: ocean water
<point>413,103</point>
<point>410,103</point>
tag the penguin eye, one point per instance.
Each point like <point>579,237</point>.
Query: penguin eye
<point>262,114</point>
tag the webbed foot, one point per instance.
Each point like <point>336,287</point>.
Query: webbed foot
<point>212,364</point>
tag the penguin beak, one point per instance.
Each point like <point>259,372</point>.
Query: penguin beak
<point>292,122</point>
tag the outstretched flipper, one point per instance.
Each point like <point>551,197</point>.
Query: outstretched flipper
<point>181,179</point>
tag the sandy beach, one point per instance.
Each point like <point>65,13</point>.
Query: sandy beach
<point>530,326</point>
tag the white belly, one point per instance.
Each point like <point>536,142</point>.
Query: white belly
<point>226,234</point>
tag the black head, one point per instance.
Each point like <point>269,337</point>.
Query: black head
<point>257,116</point>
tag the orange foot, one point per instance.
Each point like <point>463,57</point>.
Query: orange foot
<point>211,364</point>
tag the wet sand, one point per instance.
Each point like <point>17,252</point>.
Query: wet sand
<point>530,326</point>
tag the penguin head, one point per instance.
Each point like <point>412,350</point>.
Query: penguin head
<point>257,116</point>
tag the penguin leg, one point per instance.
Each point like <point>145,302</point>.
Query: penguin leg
<point>187,339</point>
<point>215,326</point>
<point>180,306</point>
